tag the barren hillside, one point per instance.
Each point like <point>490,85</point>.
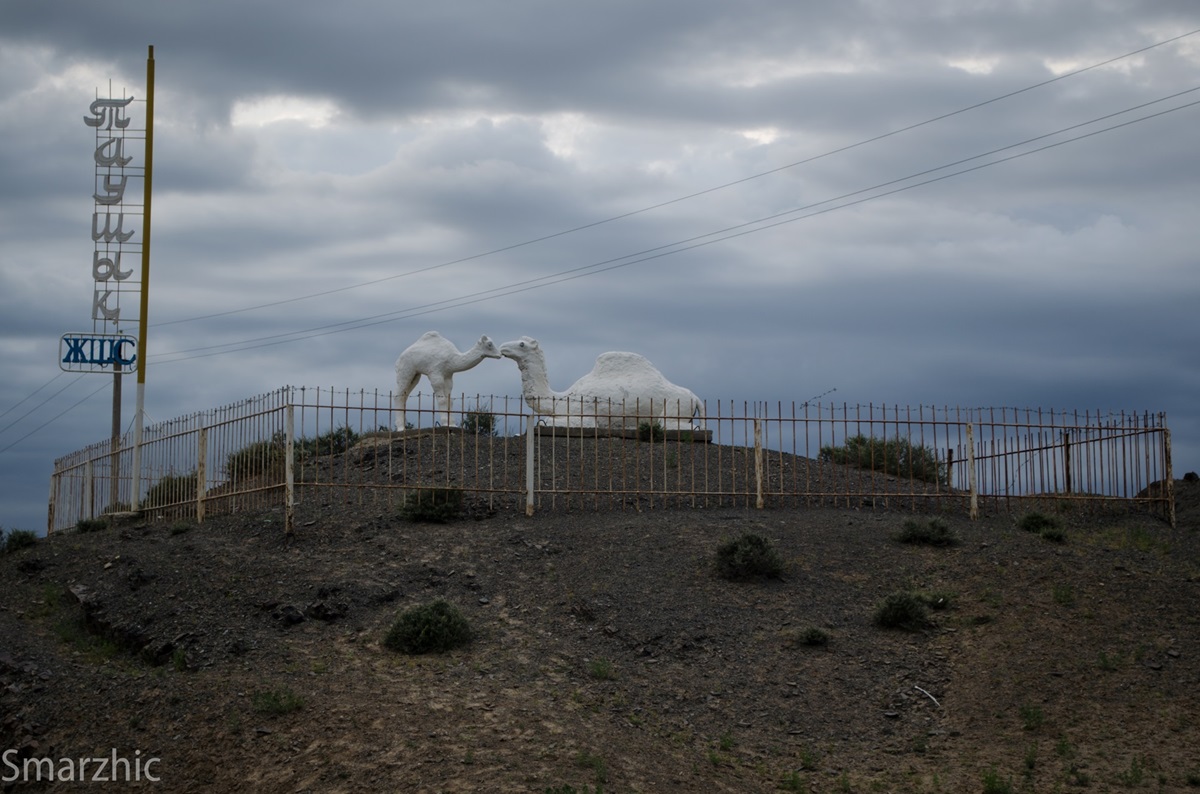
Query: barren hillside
<point>608,655</point>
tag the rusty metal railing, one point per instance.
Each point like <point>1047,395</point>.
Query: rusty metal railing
<point>298,447</point>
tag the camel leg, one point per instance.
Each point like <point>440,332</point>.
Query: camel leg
<point>403,389</point>
<point>442,384</point>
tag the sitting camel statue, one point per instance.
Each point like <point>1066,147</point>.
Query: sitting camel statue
<point>622,391</point>
<point>436,357</point>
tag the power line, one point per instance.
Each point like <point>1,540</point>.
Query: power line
<point>42,403</point>
<point>15,405</point>
<point>731,232</point>
<point>54,418</point>
<point>697,194</point>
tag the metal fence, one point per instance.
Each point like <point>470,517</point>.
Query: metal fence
<point>298,447</point>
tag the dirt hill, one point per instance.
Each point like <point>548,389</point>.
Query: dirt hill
<point>607,654</point>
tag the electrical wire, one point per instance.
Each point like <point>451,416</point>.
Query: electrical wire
<point>17,404</point>
<point>697,194</point>
<point>679,246</point>
<point>55,418</point>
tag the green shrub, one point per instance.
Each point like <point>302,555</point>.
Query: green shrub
<point>433,505</point>
<point>276,701</point>
<point>748,557</point>
<point>479,423</point>
<point>902,611</point>
<point>91,524</point>
<point>994,784</point>
<point>651,431</point>
<point>897,456</point>
<point>435,627</point>
<point>602,670</point>
<point>814,638</point>
<point>16,539</point>
<point>1037,522</point>
<point>172,489</point>
<point>932,533</point>
<point>335,442</point>
<point>1054,535</point>
<point>262,458</point>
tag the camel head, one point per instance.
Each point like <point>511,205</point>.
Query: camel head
<point>487,348</point>
<point>520,350</point>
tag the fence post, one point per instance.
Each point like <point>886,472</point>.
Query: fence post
<point>1170,476</point>
<point>971,470</point>
<point>88,502</point>
<point>758,464</point>
<point>1067,460</point>
<point>53,498</point>
<point>529,422</point>
<point>289,471</point>
<point>201,474</point>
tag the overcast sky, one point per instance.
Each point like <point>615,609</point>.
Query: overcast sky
<point>413,165</point>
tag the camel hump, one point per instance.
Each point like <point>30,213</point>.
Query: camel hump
<point>431,335</point>
<point>614,364</point>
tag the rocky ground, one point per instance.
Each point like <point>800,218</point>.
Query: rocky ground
<point>608,655</point>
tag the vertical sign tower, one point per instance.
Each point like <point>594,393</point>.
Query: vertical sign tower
<point>120,291</point>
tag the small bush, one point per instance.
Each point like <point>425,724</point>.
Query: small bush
<point>91,524</point>
<point>276,701</point>
<point>335,442</point>
<point>180,527</point>
<point>897,456</point>
<point>748,557</point>
<point>902,611</point>
<point>1054,535</point>
<point>1032,717</point>
<point>1037,522</point>
<point>170,490</point>
<point>814,638</point>
<point>651,431</point>
<point>994,784</point>
<point>602,670</point>
<point>433,505</point>
<point>435,627</point>
<point>16,539</point>
<point>938,600</point>
<point>479,423</point>
<point>933,533</point>
<point>260,459</point>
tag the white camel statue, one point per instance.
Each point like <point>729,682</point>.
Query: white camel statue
<point>436,357</point>
<point>622,391</point>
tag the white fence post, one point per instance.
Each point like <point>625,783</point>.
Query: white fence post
<point>758,464</point>
<point>289,471</point>
<point>88,507</point>
<point>971,470</point>
<point>201,473</point>
<point>529,423</point>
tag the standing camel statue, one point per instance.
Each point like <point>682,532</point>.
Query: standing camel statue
<point>622,391</point>
<point>436,357</point>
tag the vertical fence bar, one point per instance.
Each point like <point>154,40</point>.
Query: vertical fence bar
<point>971,471</point>
<point>758,464</point>
<point>289,469</point>
<point>529,465</point>
<point>201,472</point>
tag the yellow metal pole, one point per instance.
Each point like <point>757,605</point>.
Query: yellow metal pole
<point>145,296</point>
<point>144,309</point>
